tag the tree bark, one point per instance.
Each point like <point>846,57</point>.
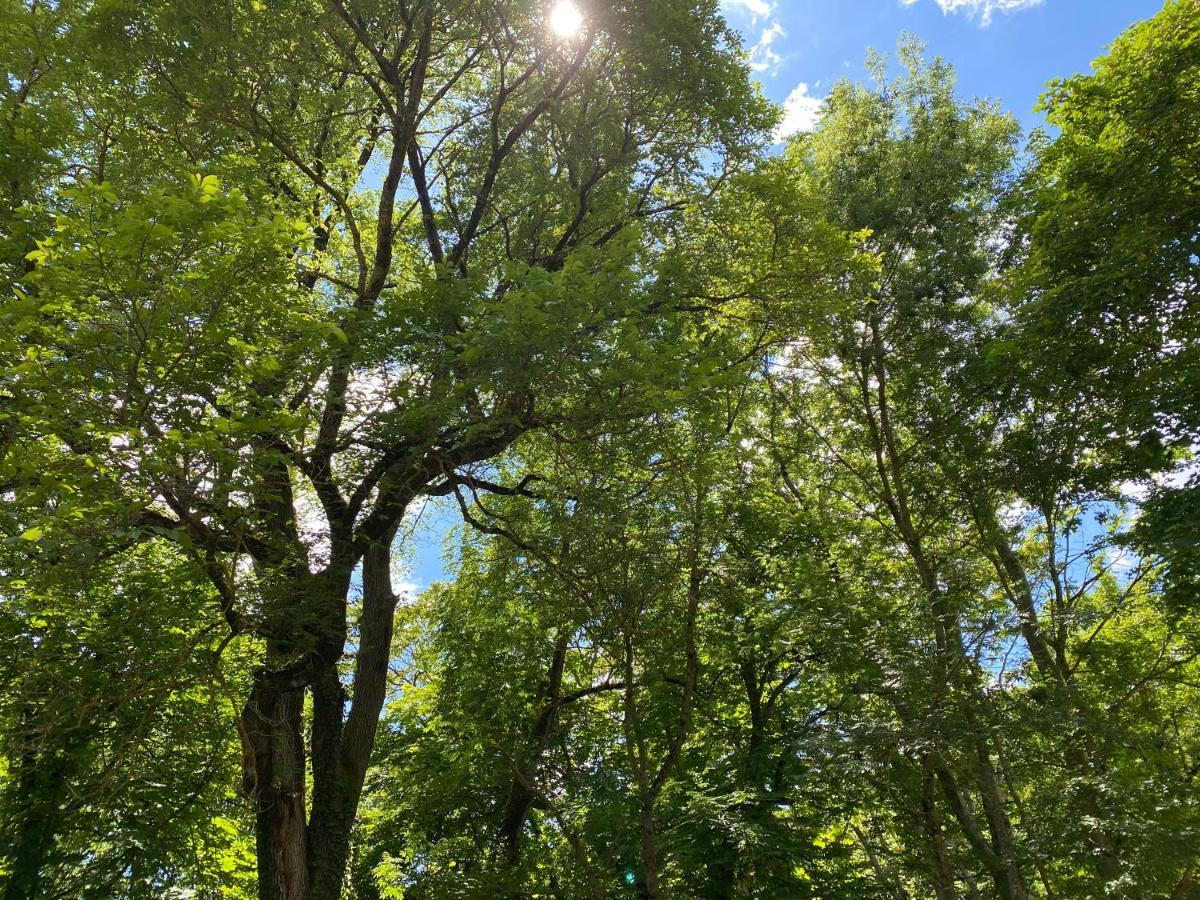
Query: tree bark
<point>647,880</point>
<point>40,782</point>
<point>940,870</point>
<point>342,752</point>
<point>1185,888</point>
<point>332,817</point>
<point>520,794</point>
<point>275,778</point>
<point>1007,874</point>
<point>886,878</point>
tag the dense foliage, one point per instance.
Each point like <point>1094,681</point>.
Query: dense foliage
<point>827,520</point>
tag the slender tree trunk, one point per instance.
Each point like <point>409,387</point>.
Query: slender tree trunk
<point>1186,888</point>
<point>956,672</point>
<point>886,878</point>
<point>647,882</point>
<point>1007,875</point>
<point>941,871</point>
<point>650,788</point>
<point>1010,783</point>
<point>1079,753</point>
<point>998,850</point>
<point>961,672</point>
<point>722,870</point>
<point>520,794</point>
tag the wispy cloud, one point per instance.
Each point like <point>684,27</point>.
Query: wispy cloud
<point>763,56</point>
<point>761,29</point>
<point>981,9</point>
<point>801,112</point>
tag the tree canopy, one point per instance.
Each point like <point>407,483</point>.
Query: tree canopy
<point>826,516</point>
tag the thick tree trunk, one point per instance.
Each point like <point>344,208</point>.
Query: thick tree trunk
<point>299,857</point>
<point>332,817</point>
<point>647,881</point>
<point>41,779</point>
<point>342,752</point>
<point>275,778</point>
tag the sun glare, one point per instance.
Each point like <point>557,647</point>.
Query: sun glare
<point>565,18</point>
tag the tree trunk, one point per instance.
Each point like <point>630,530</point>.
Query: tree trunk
<point>1007,875</point>
<point>520,794</point>
<point>886,878</point>
<point>956,670</point>
<point>649,789</point>
<point>940,870</point>
<point>960,671</point>
<point>275,778</point>
<point>954,667</point>
<point>1000,855</point>
<point>647,881</point>
<point>299,857</point>
<point>1079,754</point>
<point>342,753</point>
<point>1185,888</point>
<point>332,817</point>
<point>40,782</point>
<point>1010,784</point>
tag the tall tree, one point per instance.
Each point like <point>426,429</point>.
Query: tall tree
<point>430,234</point>
<point>1108,253</point>
<point>917,174</point>
<point>826,526</point>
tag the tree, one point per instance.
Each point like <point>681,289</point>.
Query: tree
<point>824,521</point>
<point>1107,256</point>
<point>116,728</point>
<point>917,174</point>
<point>416,235</point>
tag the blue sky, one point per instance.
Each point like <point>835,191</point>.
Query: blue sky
<point>1006,49</point>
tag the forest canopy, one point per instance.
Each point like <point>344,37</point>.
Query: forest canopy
<point>826,520</point>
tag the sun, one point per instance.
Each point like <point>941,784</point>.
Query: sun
<point>565,19</point>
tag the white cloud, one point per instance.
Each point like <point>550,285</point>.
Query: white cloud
<point>759,17</point>
<point>756,8</point>
<point>801,112</point>
<point>762,54</point>
<point>983,9</point>
<point>407,592</point>
<point>404,585</point>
